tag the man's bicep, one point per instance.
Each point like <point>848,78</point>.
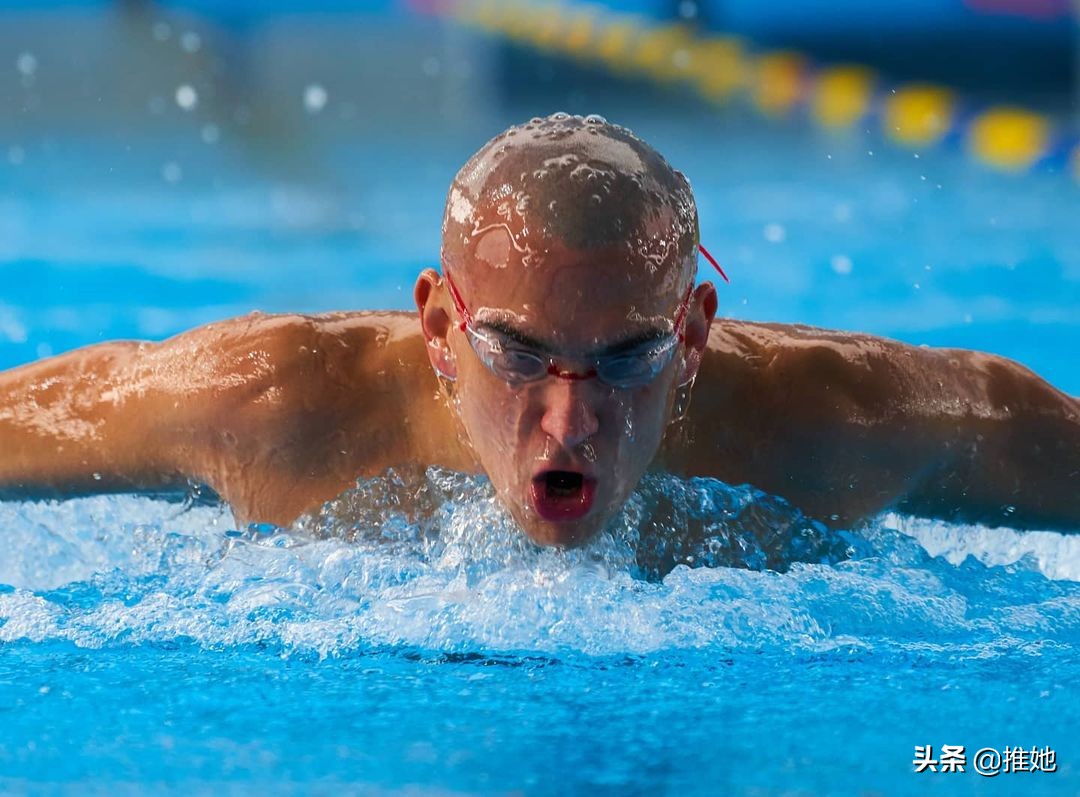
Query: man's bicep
<point>63,428</point>
<point>1015,455</point>
<point>824,419</point>
<point>276,427</point>
<point>952,434</point>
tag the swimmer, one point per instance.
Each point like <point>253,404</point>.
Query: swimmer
<point>563,349</point>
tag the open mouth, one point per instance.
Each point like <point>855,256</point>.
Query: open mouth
<point>562,495</point>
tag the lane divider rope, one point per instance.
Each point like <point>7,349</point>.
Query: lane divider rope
<point>778,83</point>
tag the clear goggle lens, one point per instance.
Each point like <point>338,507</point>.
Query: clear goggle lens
<point>517,365</point>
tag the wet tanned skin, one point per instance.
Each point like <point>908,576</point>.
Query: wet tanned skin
<point>575,234</point>
<point>844,425</point>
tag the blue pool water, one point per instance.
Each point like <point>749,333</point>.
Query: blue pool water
<point>148,646</point>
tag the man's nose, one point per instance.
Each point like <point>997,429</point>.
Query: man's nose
<point>568,416</point>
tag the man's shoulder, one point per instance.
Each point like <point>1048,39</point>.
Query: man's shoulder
<point>282,339</point>
<point>358,326</point>
<point>759,336</point>
<point>297,355</point>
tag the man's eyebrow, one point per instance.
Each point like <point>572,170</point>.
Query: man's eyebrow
<point>516,335</point>
<point>626,344</point>
<point>634,341</point>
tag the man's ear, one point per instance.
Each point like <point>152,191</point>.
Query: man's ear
<point>435,321</point>
<point>699,318</point>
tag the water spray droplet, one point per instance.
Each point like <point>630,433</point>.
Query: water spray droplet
<point>191,42</point>
<point>171,172</point>
<point>27,64</point>
<point>774,233</point>
<point>186,97</point>
<point>315,98</point>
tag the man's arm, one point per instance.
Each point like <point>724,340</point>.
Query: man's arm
<point>848,425</point>
<point>242,406</point>
<point>93,420</point>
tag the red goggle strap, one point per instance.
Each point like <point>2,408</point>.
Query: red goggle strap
<point>680,314</point>
<point>712,260</point>
<point>459,303</point>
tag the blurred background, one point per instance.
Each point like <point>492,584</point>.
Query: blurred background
<point>909,169</point>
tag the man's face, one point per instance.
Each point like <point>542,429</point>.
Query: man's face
<point>563,454</point>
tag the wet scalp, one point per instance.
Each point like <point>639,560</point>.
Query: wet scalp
<point>581,180</point>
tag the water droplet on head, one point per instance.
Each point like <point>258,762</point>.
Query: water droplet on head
<point>595,119</point>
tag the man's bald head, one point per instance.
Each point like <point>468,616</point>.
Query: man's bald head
<point>578,180</point>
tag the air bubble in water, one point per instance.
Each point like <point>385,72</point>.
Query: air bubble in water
<point>210,133</point>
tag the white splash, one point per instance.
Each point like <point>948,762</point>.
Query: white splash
<point>430,559</point>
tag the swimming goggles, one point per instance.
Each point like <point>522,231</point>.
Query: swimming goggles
<point>517,364</point>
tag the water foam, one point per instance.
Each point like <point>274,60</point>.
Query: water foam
<point>430,559</point>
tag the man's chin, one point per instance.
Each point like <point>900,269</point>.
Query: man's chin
<point>564,534</point>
